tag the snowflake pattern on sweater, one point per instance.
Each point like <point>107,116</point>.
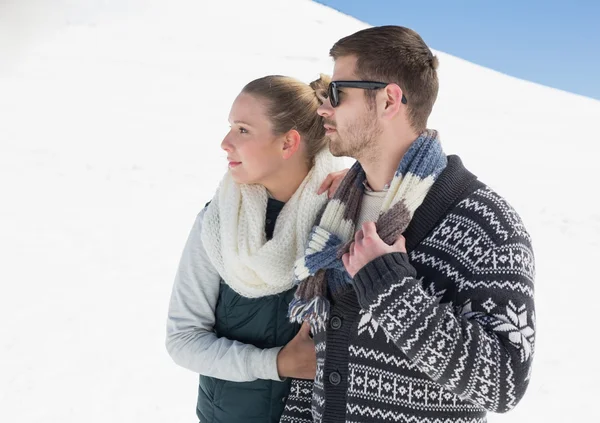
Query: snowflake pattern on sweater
<point>442,335</point>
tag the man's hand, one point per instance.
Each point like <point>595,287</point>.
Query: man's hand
<point>298,358</point>
<point>332,182</point>
<point>367,246</point>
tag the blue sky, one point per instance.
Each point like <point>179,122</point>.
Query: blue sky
<point>554,43</point>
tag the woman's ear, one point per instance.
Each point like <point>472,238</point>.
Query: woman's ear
<point>291,143</point>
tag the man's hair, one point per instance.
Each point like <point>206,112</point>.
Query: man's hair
<point>395,54</point>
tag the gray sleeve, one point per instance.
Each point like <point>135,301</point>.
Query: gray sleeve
<point>191,340</point>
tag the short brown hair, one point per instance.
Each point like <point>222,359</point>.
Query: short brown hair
<point>398,55</point>
<point>292,104</point>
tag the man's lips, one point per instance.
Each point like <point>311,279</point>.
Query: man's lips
<point>329,129</point>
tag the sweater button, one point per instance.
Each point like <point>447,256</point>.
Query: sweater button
<point>336,323</point>
<point>335,378</point>
<point>268,221</point>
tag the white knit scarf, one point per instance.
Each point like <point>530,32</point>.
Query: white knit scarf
<point>233,231</point>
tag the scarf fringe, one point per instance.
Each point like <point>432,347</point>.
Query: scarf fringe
<point>316,311</point>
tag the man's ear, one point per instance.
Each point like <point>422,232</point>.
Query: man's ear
<point>393,101</point>
<point>291,143</point>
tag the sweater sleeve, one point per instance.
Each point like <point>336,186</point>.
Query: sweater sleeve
<point>191,340</point>
<point>481,347</point>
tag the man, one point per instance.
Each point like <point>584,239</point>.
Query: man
<point>418,278</point>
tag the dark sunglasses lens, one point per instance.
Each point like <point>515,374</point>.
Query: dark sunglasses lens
<point>333,95</point>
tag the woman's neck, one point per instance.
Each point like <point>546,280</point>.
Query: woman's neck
<point>282,186</point>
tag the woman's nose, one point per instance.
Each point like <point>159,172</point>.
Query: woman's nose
<point>226,144</point>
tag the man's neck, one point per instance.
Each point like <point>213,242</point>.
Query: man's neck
<point>381,167</point>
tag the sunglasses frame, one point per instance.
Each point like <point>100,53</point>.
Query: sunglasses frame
<point>334,96</point>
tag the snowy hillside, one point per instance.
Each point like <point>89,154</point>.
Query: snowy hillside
<point>111,116</point>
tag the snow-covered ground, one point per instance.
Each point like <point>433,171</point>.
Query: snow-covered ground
<point>111,116</point>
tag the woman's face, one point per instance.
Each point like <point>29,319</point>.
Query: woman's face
<point>254,153</point>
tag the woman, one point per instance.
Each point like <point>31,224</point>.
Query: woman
<point>228,310</point>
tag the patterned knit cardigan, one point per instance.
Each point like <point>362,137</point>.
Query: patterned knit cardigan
<point>441,335</point>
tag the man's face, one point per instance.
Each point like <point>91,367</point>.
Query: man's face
<point>353,126</point>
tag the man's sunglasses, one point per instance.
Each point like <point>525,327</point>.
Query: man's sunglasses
<point>334,95</point>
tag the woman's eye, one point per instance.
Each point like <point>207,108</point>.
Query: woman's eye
<point>243,130</point>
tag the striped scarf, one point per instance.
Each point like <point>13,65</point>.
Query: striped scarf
<point>321,267</point>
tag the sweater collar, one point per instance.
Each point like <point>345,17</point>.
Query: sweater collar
<point>450,188</point>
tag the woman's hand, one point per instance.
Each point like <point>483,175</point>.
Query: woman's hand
<point>332,182</point>
<point>298,358</point>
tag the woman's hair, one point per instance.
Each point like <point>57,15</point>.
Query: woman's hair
<point>292,104</point>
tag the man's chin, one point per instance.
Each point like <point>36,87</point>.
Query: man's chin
<point>335,147</point>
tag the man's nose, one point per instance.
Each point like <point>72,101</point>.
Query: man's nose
<point>325,109</point>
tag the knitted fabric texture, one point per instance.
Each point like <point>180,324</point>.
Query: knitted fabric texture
<point>233,232</point>
<point>443,334</point>
<point>321,266</point>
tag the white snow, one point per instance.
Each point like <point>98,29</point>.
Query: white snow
<point>111,116</point>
